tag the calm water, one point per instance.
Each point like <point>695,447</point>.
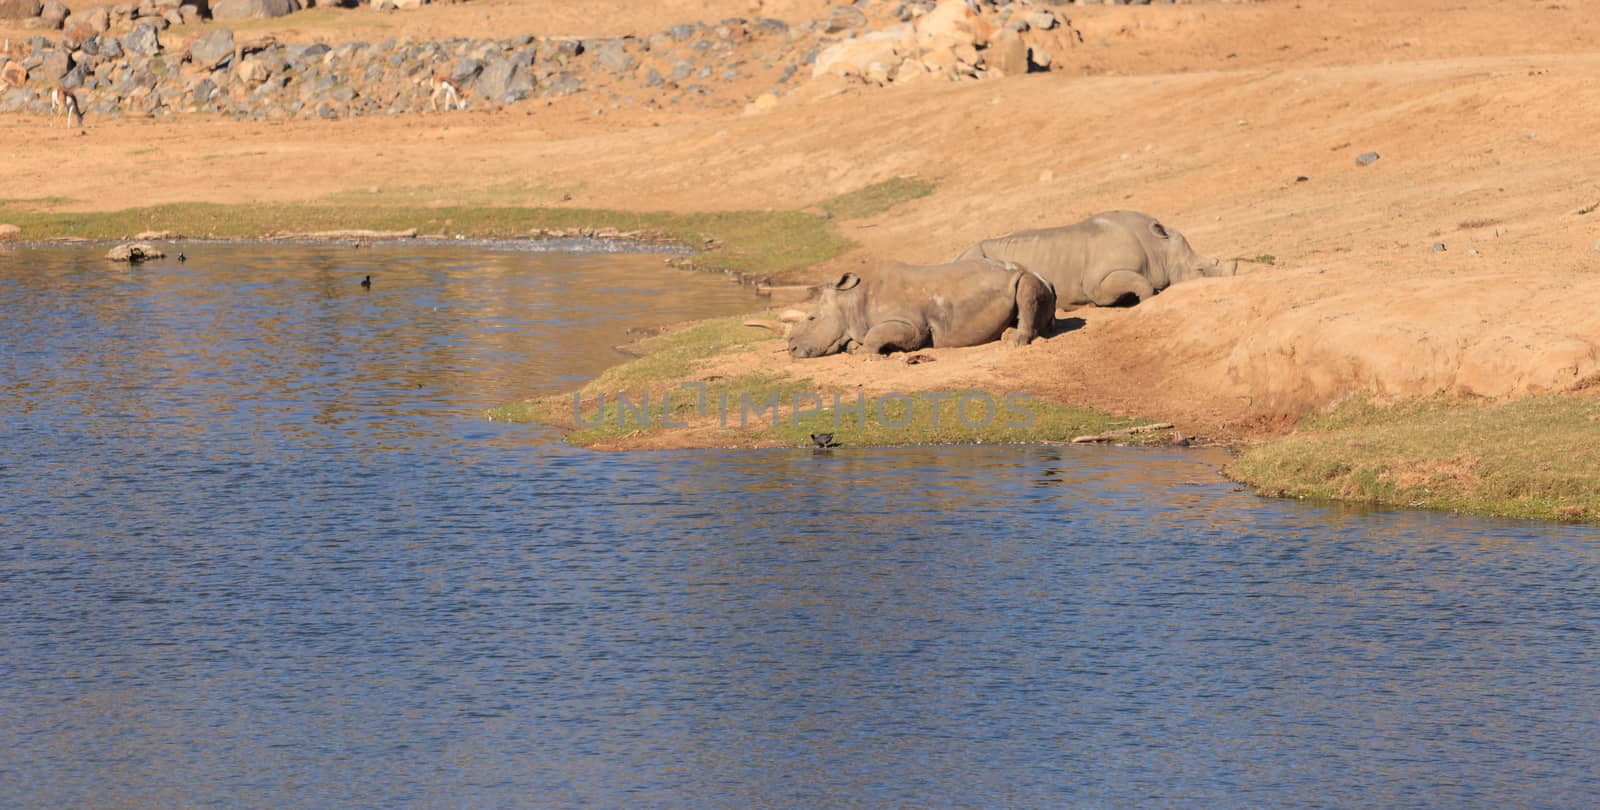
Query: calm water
<point>258,548</point>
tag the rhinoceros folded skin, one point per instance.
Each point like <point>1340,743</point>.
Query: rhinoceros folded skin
<point>898,307</point>
<point>1115,257</point>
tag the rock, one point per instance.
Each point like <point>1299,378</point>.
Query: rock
<point>203,92</point>
<point>212,50</point>
<point>314,53</point>
<point>953,22</point>
<point>844,18</point>
<point>1438,247</point>
<point>562,84</point>
<point>1007,53</point>
<point>494,77</point>
<point>142,40</point>
<point>134,253</point>
<point>249,9</point>
<point>681,70</point>
<point>98,18</point>
<point>613,55</point>
<point>253,70</point>
<point>77,32</point>
<point>1366,158</point>
<point>49,72</point>
<point>10,233</point>
<point>19,9</point>
<point>1039,59</point>
<point>1044,19</point>
<point>1597,245</point>
<point>55,12</point>
<point>853,56</point>
<point>189,13</point>
<point>17,99</point>
<point>465,71</point>
<point>13,74</point>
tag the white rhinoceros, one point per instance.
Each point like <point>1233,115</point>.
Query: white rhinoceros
<point>1116,257</point>
<point>897,307</point>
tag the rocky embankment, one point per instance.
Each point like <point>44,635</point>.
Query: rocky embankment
<point>153,69</point>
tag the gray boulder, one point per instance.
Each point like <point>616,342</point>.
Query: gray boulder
<point>495,79</point>
<point>250,9</point>
<point>142,40</point>
<point>212,50</point>
<point>17,100</point>
<point>49,72</point>
<point>613,56</point>
<point>465,71</point>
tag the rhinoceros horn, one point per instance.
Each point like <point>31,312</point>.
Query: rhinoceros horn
<point>773,325</point>
<point>792,316</point>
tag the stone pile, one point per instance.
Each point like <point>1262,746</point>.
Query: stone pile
<point>149,69</point>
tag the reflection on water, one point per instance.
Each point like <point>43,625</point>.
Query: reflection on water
<point>257,548</point>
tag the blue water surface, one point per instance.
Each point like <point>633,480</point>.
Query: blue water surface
<point>260,548</point>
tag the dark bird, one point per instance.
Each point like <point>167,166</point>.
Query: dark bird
<point>367,282</point>
<point>182,258</point>
<point>823,440</point>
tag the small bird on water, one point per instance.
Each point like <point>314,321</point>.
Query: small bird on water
<point>182,258</point>
<point>823,440</point>
<point>366,283</point>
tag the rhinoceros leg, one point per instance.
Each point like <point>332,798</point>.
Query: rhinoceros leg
<point>1036,310</point>
<point>1120,283</point>
<point>893,336</point>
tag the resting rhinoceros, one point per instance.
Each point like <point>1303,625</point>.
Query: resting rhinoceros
<point>899,307</point>
<point>1104,259</point>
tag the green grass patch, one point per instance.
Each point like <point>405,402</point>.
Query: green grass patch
<point>877,198</point>
<point>667,391</point>
<point>514,193</point>
<point>935,417</point>
<point>1534,458</point>
<point>25,204</point>
<point>753,242</point>
<point>1265,258</point>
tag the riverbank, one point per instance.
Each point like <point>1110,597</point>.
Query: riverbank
<point>1460,263</point>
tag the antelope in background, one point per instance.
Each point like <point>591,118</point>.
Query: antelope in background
<point>64,102</point>
<point>446,88</point>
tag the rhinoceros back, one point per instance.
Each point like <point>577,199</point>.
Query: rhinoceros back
<point>1058,255</point>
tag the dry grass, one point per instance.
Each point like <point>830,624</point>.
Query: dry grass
<point>1537,457</point>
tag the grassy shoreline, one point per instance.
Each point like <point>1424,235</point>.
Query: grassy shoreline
<point>1537,457</point>
<point>661,399</point>
<point>753,243</point>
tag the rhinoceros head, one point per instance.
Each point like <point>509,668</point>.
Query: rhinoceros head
<point>1182,262</point>
<point>827,330</point>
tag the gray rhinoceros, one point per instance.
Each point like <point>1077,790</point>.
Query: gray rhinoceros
<point>1116,257</point>
<point>897,307</point>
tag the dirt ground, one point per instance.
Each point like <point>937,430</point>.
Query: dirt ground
<point>1238,124</point>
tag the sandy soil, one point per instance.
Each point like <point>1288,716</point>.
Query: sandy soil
<point>1483,112</point>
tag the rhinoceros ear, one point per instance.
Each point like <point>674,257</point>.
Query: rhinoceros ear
<point>1159,230</point>
<point>846,281</point>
